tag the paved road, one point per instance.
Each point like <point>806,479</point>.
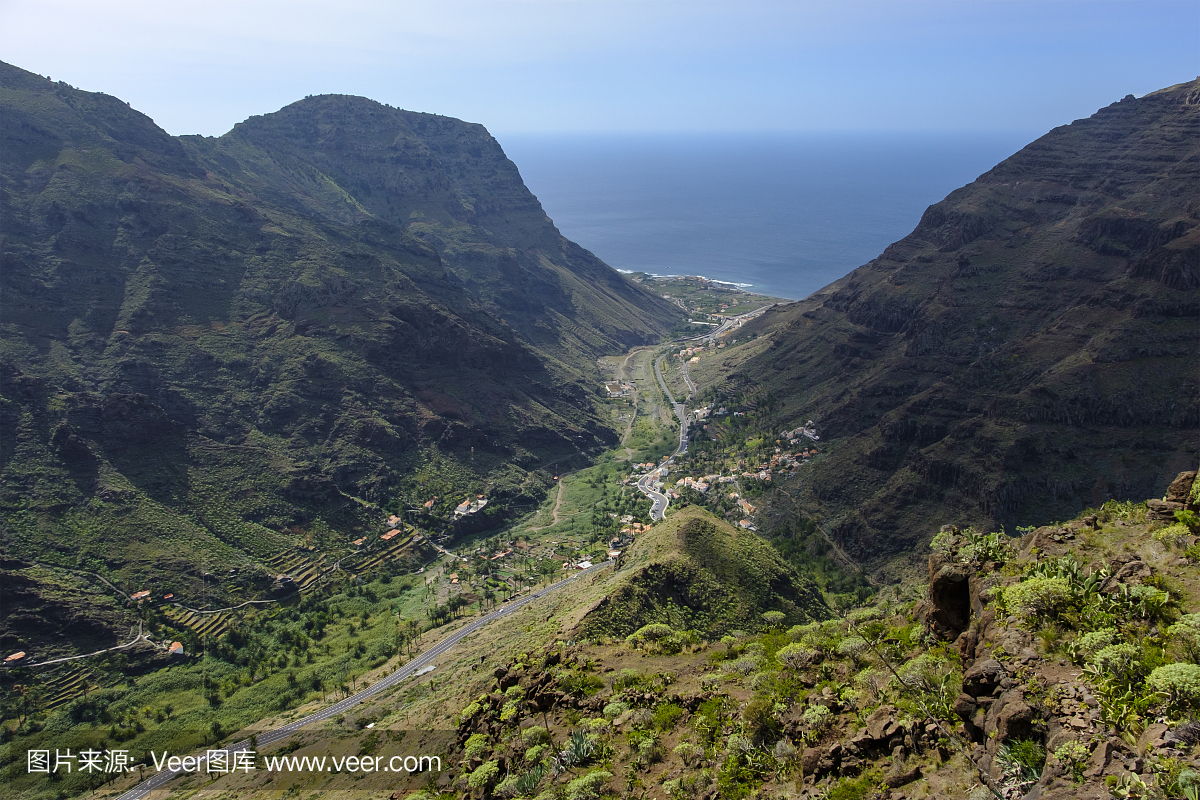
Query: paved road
<point>660,501</point>
<point>729,324</point>
<point>421,663</point>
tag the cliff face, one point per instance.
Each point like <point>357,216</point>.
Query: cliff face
<point>1028,349</point>
<point>210,342</point>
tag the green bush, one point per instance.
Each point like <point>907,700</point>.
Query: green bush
<point>615,709</point>
<point>1172,534</point>
<point>1180,682</point>
<point>483,777</point>
<point>796,656</point>
<point>853,647</point>
<point>589,786</point>
<point>1073,756</point>
<point>1091,643</point>
<point>476,746</point>
<point>666,715</point>
<point>1120,662</point>
<point>535,735</point>
<point>856,788</point>
<point>1187,632</point>
<point>1038,597</point>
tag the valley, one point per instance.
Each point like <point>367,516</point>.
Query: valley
<point>318,438</point>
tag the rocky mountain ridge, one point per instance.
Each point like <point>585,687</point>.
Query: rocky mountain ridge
<point>214,350</point>
<point>1027,350</point>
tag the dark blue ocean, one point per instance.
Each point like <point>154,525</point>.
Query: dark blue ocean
<point>784,213</point>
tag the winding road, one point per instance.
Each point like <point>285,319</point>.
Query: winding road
<point>421,664</point>
<point>659,500</point>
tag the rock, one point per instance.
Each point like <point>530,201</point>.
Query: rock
<point>880,721</point>
<point>965,706</point>
<point>1010,718</point>
<point>1162,510</point>
<point>983,678</point>
<point>897,779</point>
<point>1099,761</point>
<point>1180,489</point>
<point>1134,569</point>
<point>947,612</point>
<point>1152,738</point>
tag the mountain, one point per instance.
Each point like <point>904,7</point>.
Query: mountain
<point>696,572</point>
<point>1030,348</point>
<point>215,349</point>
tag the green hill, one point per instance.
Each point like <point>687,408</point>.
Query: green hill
<point>695,572</point>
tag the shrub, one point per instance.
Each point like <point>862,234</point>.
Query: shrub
<point>1187,631</point>
<point>860,615</point>
<point>666,715</point>
<point>476,746</point>
<point>650,633</point>
<point>1172,534</point>
<point>535,735</point>
<point>1180,682</point>
<point>1038,597</point>
<point>798,632</point>
<point>1091,643</point>
<point>773,618</point>
<point>536,753</point>
<point>586,787</point>
<point>743,666</point>
<point>1073,756</point>
<point>484,776</point>
<point>853,647</point>
<point>1120,661</point>
<point>817,719</point>
<point>1188,518</point>
<point>615,709</point>
<point>627,678</point>
<point>856,788</point>
<point>689,753</point>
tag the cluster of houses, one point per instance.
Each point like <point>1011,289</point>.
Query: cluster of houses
<point>702,485</point>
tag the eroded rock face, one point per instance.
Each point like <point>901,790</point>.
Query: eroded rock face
<point>1180,489</point>
<point>947,612</point>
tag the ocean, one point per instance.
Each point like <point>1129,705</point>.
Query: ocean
<point>784,214</point>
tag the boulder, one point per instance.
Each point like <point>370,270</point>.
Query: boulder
<point>983,678</point>
<point>880,724</point>
<point>898,778</point>
<point>1162,510</point>
<point>1180,489</point>
<point>1010,718</point>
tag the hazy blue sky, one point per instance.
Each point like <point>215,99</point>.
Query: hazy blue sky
<point>618,65</point>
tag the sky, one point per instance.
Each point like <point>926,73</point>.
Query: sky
<point>618,66</point>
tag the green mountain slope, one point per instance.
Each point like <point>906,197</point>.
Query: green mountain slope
<point>696,572</point>
<point>214,349</point>
<point>1029,349</point>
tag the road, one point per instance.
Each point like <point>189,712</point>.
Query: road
<point>660,501</point>
<point>421,663</point>
<point>729,324</point>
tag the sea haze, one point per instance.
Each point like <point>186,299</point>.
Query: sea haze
<point>784,213</point>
